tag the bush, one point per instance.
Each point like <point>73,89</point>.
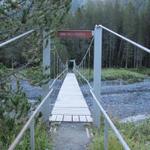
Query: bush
<point>14,108</point>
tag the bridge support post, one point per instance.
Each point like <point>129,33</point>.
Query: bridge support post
<point>32,139</point>
<point>106,127</point>
<point>97,72</point>
<point>46,53</point>
<point>47,105</point>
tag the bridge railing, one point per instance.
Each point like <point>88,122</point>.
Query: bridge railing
<point>107,121</point>
<point>30,123</point>
<point>16,38</point>
<point>126,39</point>
<point>15,47</point>
<point>96,89</point>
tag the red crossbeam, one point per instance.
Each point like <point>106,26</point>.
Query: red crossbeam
<point>86,34</point>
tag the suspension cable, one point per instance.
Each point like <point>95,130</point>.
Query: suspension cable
<point>5,77</point>
<point>126,39</point>
<point>60,58</point>
<point>88,49</point>
<point>106,116</point>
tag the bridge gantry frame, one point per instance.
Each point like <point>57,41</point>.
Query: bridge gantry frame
<point>95,91</point>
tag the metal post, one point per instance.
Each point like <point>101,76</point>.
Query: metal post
<point>74,64</point>
<point>46,109</point>
<point>105,135</point>
<point>67,65</point>
<point>54,65</point>
<point>82,68</point>
<point>97,71</point>
<point>57,64</point>
<point>46,52</point>
<point>32,140</point>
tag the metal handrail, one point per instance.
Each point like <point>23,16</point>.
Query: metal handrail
<point>66,69</point>
<point>126,39</point>
<point>83,78</point>
<point>26,126</point>
<point>31,119</point>
<point>111,124</point>
<point>16,38</point>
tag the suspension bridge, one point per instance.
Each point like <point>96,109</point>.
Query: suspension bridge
<point>70,105</point>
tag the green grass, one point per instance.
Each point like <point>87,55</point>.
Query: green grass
<point>136,135</point>
<point>98,142</point>
<point>35,74</point>
<point>43,140</point>
<point>123,74</point>
<point>145,71</point>
<point>129,75</point>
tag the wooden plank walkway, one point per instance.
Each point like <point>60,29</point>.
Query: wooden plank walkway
<point>70,105</point>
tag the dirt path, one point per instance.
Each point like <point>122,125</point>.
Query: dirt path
<point>71,136</point>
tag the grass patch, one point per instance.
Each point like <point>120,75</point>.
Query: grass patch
<point>98,142</point>
<point>145,71</point>
<point>42,139</point>
<point>129,75</point>
<point>122,74</point>
<point>136,135</point>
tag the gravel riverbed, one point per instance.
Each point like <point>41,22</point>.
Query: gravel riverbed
<point>120,100</point>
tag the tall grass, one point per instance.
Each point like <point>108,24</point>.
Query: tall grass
<point>42,138</point>
<point>145,71</point>
<point>129,75</point>
<point>136,135</point>
<point>123,74</point>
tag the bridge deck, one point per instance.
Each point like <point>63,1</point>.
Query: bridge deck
<point>70,105</point>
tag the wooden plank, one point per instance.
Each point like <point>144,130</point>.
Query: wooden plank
<point>67,118</point>
<point>83,119</point>
<point>89,119</point>
<point>76,119</point>
<point>59,118</point>
<point>70,101</point>
<point>86,34</point>
<point>53,118</point>
<point>71,111</point>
